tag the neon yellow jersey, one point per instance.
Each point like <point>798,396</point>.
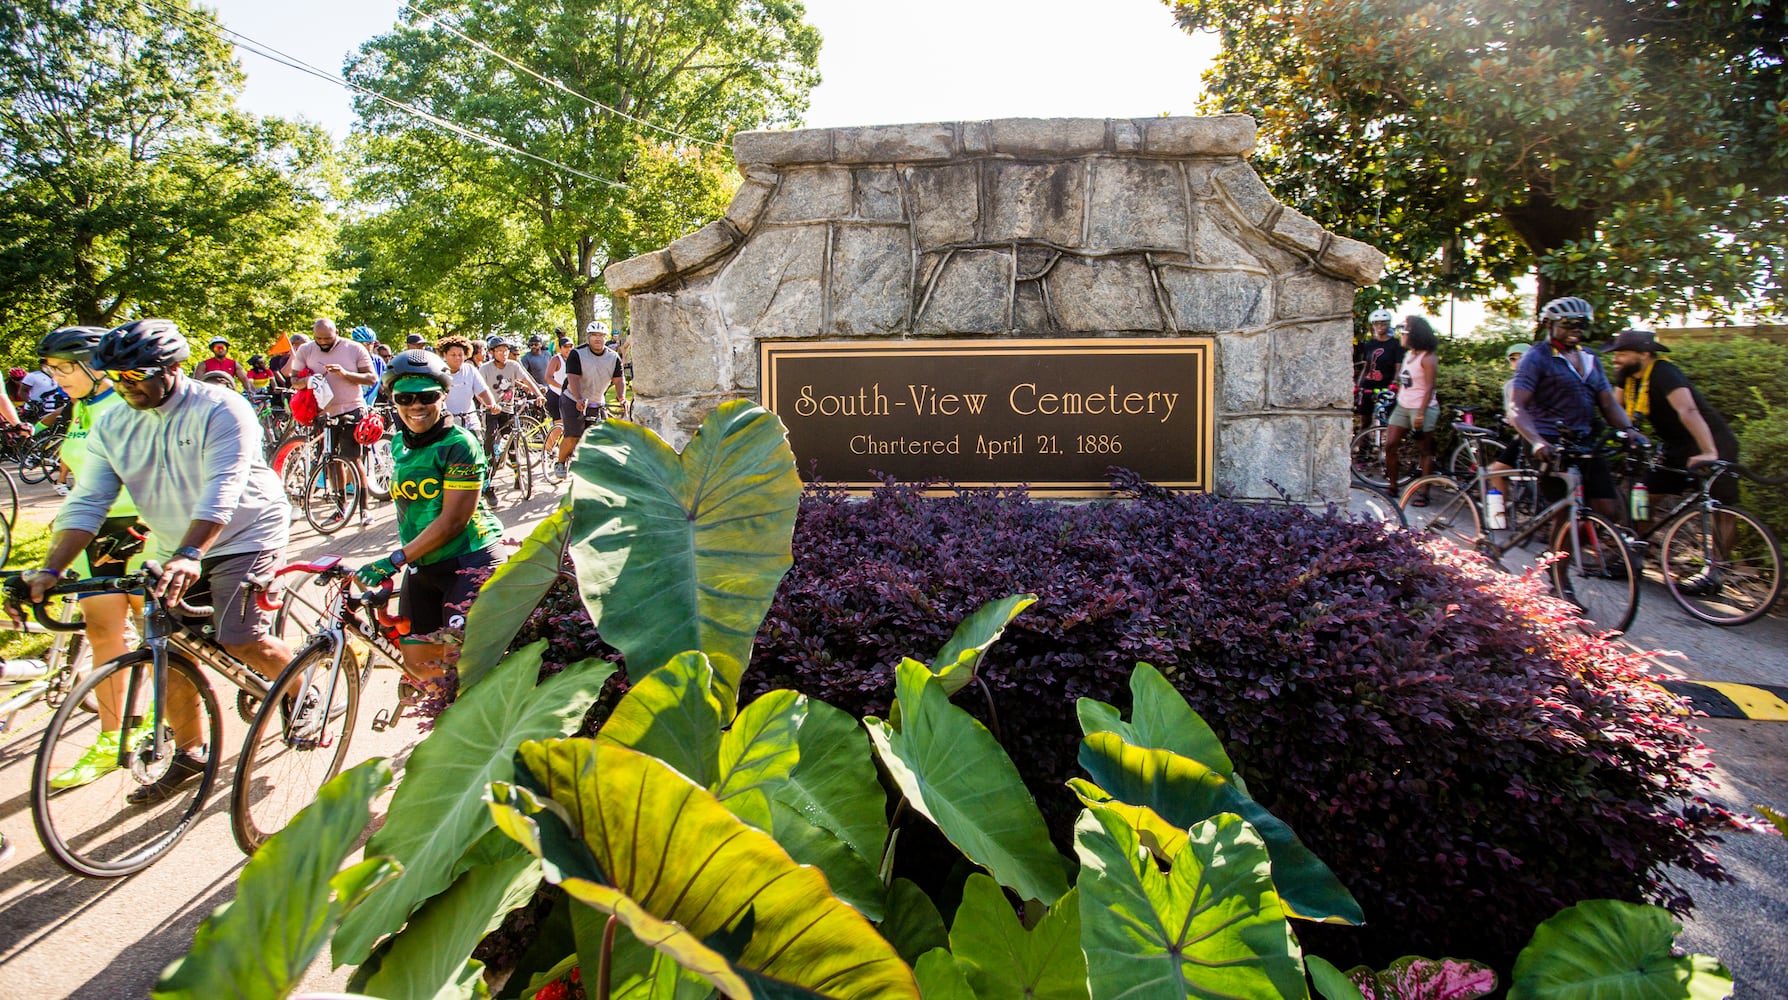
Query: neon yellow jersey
<point>74,446</point>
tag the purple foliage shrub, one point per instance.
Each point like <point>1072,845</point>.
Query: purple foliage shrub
<point>1437,732</point>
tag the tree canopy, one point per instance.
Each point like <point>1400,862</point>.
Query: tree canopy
<point>601,183</point>
<point>131,185</point>
<point>1632,152</point>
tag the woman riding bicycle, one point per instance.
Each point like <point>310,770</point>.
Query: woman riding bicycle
<point>117,547</point>
<point>447,537</point>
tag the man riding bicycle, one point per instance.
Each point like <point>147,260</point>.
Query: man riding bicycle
<point>589,371</point>
<point>190,455</point>
<point>1558,389</point>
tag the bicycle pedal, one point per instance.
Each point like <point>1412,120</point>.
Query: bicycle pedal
<point>383,720</point>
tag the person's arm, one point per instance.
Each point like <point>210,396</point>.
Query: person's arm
<point>1682,399</point>
<point>574,371</point>
<point>8,412</point>
<point>1523,421</point>
<point>527,381</point>
<point>181,572</point>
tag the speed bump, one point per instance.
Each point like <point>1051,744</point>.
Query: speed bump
<point>1725,700</point>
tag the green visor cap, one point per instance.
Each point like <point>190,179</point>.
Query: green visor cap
<point>416,383</point>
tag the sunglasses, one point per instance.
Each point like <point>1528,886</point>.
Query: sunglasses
<point>414,398</point>
<point>1574,324</point>
<point>132,374</point>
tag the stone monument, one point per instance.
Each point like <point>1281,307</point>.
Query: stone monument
<point>1018,228</point>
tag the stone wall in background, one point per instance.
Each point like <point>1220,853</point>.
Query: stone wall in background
<point>1021,227</point>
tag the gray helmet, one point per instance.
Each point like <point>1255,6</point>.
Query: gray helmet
<point>425,363</point>
<point>71,343</point>
<point>144,343</point>
<point>1569,307</point>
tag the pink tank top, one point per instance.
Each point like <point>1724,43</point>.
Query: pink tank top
<point>1415,384</point>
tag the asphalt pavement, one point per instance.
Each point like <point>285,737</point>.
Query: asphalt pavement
<point>63,936</point>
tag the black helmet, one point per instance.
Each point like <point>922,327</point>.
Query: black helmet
<point>145,343</point>
<point>71,343</point>
<point>1569,307</point>
<point>424,363</point>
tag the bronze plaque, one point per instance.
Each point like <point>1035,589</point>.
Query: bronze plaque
<point>1051,414</point>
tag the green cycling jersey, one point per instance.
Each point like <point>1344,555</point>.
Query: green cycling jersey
<point>74,445</point>
<point>422,474</point>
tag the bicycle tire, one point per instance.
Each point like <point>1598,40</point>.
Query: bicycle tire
<point>1450,511</point>
<point>518,464</point>
<point>11,499</point>
<point>1471,457</point>
<point>549,455</point>
<point>5,541</point>
<point>1746,579</point>
<point>282,766</point>
<point>37,463</point>
<point>328,506</point>
<point>1367,456</point>
<point>292,461</point>
<point>91,830</point>
<point>380,467</point>
<point>1597,572</point>
<point>1373,506</point>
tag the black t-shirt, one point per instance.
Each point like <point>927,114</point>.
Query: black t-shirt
<point>1666,378</point>
<point>1376,361</point>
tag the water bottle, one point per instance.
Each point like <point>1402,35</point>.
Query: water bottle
<point>12,671</point>
<point>1641,502</point>
<point>1497,513</point>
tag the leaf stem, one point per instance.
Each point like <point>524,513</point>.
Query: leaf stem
<point>603,958</point>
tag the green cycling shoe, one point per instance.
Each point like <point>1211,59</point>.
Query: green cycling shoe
<point>100,760</point>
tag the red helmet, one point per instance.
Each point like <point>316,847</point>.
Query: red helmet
<point>15,373</point>
<point>370,428</point>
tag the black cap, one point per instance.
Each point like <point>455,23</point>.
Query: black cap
<point>1635,340</point>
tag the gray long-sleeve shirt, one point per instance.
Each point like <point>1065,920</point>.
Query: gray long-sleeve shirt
<point>196,457</point>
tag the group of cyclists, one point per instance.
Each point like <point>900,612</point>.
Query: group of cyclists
<point>171,467</point>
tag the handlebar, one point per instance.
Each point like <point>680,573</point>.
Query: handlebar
<point>1722,467</point>
<point>131,583</point>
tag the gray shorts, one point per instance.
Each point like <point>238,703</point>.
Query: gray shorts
<point>1405,418</point>
<point>220,585</point>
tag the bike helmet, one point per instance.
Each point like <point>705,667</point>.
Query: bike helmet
<point>363,335</point>
<point>370,429</point>
<point>1380,316</point>
<point>143,343</point>
<point>70,343</point>
<point>1569,307</point>
<point>15,373</point>
<point>424,363</point>
<point>219,340</point>
<point>596,326</point>
<point>497,340</point>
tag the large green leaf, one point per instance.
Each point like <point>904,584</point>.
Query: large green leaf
<point>961,657</point>
<point>1183,792</point>
<point>851,877</point>
<point>758,752</point>
<point>438,811</point>
<point>956,774</point>
<point>679,871</point>
<point>673,715</point>
<point>291,895</point>
<point>687,549</point>
<point>834,786</point>
<point>941,977</point>
<point>511,594</point>
<point>1331,983</point>
<point>1607,949</point>
<point>913,925</point>
<point>1004,961</point>
<point>432,951</point>
<point>1210,927</point>
<point>1163,839</point>
<point>1159,719</point>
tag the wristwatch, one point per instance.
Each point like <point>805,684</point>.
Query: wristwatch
<point>397,558</point>
<point>189,552</point>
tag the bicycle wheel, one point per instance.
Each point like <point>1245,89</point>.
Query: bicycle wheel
<point>9,498</point>
<point>39,460</point>
<point>549,455</point>
<point>1373,506</point>
<point>91,829</point>
<point>1472,456</point>
<point>1367,456</point>
<point>1598,573</point>
<point>292,461</point>
<point>380,467</point>
<point>297,742</point>
<point>513,479</point>
<point>332,495</point>
<point>5,540</point>
<point>1439,506</point>
<point>1723,566</point>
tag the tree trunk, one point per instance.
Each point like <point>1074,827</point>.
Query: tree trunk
<point>620,324</point>
<point>583,306</point>
<point>1544,227</point>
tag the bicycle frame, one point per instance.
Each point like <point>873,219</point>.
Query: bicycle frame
<point>339,618</point>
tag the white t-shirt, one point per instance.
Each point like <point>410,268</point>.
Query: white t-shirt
<point>467,383</point>
<point>38,383</point>
<point>504,382</point>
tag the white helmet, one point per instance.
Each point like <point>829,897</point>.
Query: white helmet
<point>596,326</point>
<point>1380,316</point>
<point>1569,307</point>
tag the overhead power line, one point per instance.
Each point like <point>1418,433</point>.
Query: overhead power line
<point>272,54</point>
<point>447,26</point>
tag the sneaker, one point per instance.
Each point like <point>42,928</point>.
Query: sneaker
<point>100,760</point>
<point>186,765</point>
<point>1703,584</point>
<point>490,498</point>
<point>560,471</point>
<point>61,490</point>
<point>366,519</point>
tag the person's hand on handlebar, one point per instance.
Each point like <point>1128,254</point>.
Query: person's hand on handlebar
<point>1636,439</point>
<point>177,577</point>
<point>1704,459</point>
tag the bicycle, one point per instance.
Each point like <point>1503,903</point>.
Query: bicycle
<point>325,486</point>
<point>47,679</point>
<point>293,744</point>
<point>1367,449</point>
<point>511,477</point>
<point>1597,571</point>
<point>92,829</point>
<point>380,465</point>
<point>1720,563</point>
<point>39,457</point>
<point>274,415</point>
<point>1374,506</point>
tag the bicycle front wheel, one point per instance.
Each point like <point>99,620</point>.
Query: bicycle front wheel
<point>1723,566</point>
<point>1439,506</point>
<point>297,742</point>
<point>39,461</point>
<point>89,826</point>
<point>1373,506</point>
<point>332,496</point>
<point>1597,573</point>
<point>1472,457</point>
<point>380,467</point>
<point>9,498</point>
<point>513,478</point>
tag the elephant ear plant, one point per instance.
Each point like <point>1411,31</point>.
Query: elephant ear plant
<point>695,846</point>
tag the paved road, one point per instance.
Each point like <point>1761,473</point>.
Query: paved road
<point>62,936</point>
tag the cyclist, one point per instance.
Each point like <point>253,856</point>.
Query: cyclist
<point>1375,363</point>
<point>1558,389</point>
<point>116,548</point>
<point>191,456</point>
<point>1511,452</point>
<point>220,361</point>
<point>555,379</point>
<point>505,375</point>
<point>468,393</point>
<point>1417,413</point>
<point>537,358</point>
<point>346,368</point>
<point>446,535</point>
<point>589,371</point>
<point>365,337</point>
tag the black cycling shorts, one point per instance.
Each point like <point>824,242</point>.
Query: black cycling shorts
<point>436,595</point>
<point>118,541</point>
<point>343,444</point>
